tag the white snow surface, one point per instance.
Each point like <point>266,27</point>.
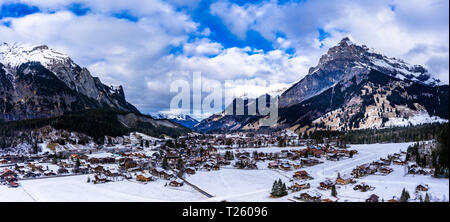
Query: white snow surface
<point>417,119</point>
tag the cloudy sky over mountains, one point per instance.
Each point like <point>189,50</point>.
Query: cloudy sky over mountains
<point>143,45</point>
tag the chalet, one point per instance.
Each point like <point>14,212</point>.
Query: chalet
<point>422,187</point>
<point>176,183</point>
<point>298,187</point>
<point>273,165</point>
<point>7,172</point>
<point>297,165</point>
<point>98,169</point>
<point>144,178</point>
<point>62,170</point>
<point>302,175</point>
<point>309,162</point>
<point>166,175</point>
<point>398,162</point>
<point>285,166</point>
<point>99,178</point>
<point>30,174</point>
<point>190,170</point>
<point>385,170</point>
<point>372,198</point>
<point>3,161</point>
<point>344,180</point>
<point>49,173</point>
<point>309,197</point>
<point>327,184</point>
<point>13,184</point>
<point>363,187</point>
<point>156,171</point>
<point>207,166</point>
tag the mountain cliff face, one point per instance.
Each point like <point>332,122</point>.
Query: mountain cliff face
<point>37,82</point>
<point>352,88</point>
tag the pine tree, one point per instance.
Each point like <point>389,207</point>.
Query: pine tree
<point>283,190</point>
<point>405,196</point>
<point>333,191</point>
<point>165,164</point>
<point>77,164</point>
<point>180,164</point>
<point>427,198</point>
<point>275,189</point>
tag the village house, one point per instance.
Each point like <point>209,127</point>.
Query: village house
<point>327,184</point>
<point>422,187</point>
<point>144,178</point>
<point>285,166</point>
<point>344,180</point>
<point>385,170</point>
<point>298,187</point>
<point>176,183</point>
<point>302,175</point>
<point>363,187</point>
<point>190,170</point>
<point>273,164</point>
<point>372,198</point>
<point>99,178</point>
<point>309,196</point>
<point>62,170</point>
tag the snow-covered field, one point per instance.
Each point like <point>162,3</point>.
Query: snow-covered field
<point>234,184</point>
<point>76,189</point>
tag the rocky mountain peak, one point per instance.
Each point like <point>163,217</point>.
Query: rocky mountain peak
<point>36,74</point>
<point>346,57</point>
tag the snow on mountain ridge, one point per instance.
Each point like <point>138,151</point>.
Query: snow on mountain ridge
<point>16,54</point>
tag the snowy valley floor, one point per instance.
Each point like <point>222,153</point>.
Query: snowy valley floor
<point>235,185</point>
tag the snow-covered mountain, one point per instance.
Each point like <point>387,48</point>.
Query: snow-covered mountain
<point>345,61</point>
<point>36,81</point>
<point>182,119</point>
<point>352,87</point>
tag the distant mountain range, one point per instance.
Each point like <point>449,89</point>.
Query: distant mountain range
<point>182,119</point>
<point>351,88</point>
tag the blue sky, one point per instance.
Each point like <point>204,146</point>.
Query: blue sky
<point>143,45</point>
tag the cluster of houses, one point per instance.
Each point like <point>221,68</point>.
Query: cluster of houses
<point>380,167</point>
<point>8,177</point>
<point>417,170</point>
